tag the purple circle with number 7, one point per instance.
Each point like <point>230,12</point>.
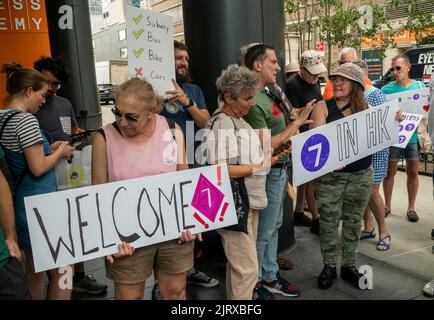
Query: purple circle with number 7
<point>410,127</point>
<point>315,152</point>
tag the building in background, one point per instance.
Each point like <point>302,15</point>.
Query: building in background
<point>110,41</point>
<point>404,41</point>
<point>96,16</point>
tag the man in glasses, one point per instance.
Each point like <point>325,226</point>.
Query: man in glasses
<point>301,89</point>
<point>57,115</point>
<point>57,118</point>
<point>345,55</point>
<point>400,70</point>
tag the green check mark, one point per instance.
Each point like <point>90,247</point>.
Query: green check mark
<point>138,33</point>
<point>138,53</point>
<point>137,19</point>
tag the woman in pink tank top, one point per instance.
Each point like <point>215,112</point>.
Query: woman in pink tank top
<point>138,144</point>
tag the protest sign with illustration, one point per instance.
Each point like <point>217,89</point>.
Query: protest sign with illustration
<point>407,127</point>
<point>412,101</point>
<point>150,48</point>
<point>339,143</point>
<point>86,223</point>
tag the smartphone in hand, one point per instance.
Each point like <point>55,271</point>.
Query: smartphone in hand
<point>76,143</point>
<point>282,148</point>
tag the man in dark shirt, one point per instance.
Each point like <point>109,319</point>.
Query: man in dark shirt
<point>300,89</point>
<point>186,106</point>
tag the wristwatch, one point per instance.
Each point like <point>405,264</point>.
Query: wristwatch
<point>190,103</point>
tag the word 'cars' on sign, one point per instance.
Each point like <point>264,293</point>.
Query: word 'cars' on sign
<point>150,48</point>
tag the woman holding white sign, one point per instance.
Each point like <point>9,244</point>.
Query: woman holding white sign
<point>134,146</point>
<point>380,161</point>
<point>234,141</point>
<point>31,161</point>
<point>345,192</point>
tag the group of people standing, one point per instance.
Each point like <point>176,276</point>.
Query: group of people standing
<point>258,118</point>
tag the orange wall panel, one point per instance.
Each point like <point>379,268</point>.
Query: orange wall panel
<point>23,34</point>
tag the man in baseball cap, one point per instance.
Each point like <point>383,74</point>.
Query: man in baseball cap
<point>300,89</point>
<point>311,61</point>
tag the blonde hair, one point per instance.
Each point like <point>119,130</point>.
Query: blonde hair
<point>142,91</point>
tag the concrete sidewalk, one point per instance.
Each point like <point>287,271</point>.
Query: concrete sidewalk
<point>399,273</point>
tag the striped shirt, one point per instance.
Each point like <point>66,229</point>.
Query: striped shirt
<point>21,132</point>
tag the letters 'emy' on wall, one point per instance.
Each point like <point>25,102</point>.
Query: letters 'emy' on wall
<point>23,34</point>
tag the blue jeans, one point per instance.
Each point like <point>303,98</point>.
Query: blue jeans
<point>270,220</point>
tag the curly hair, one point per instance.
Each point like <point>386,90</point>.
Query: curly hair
<point>235,80</point>
<point>142,91</point>
<point>57,66</point>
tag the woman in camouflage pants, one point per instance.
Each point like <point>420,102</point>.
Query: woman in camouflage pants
<point>344,193</point>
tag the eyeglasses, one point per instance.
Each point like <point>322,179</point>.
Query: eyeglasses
<point>128,117</point>
<point>336,80</point>
<point>54,85</point>
<point>397,68</point>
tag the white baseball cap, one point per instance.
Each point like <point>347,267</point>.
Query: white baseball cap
<point>311,60</point>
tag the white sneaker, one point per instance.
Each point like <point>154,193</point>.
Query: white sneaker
<point>428,290</point>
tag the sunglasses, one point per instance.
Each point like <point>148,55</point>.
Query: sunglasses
<point>398,68</point>
<point>127,117</point>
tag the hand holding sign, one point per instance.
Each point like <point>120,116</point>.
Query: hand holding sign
<point>125,249</point>
<point>399,116</point>
<point>186,236</point>
<point>408,124</point>
<point>177,94</point>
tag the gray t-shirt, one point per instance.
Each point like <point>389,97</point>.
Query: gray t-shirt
<point>242,145</point>
<point>57,118</point>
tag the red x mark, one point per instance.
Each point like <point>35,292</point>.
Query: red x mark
<point>138,72</point>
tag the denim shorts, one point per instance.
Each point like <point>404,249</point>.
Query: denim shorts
<point>411,152</point>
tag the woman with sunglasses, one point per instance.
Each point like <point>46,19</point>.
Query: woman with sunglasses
<point>132,147</point>
<point>343,193</point>
<point>31,162</point>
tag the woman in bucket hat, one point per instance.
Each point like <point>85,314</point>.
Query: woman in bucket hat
<point>343,193</point>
